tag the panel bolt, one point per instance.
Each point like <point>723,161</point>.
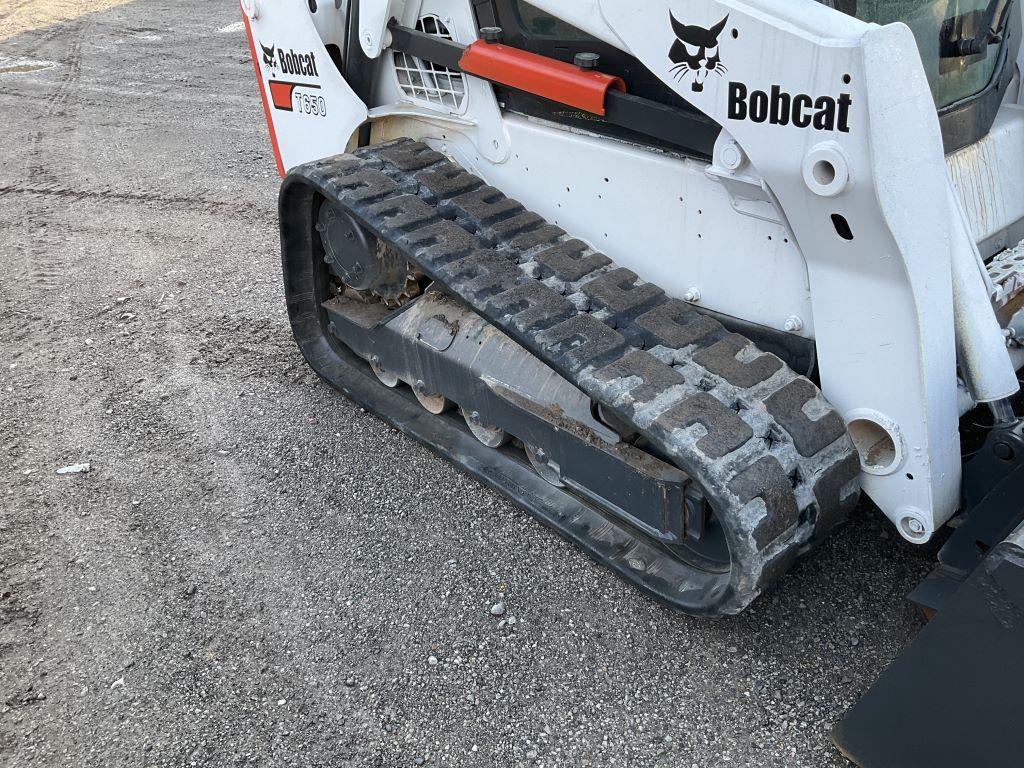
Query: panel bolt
<point>1003,451</point>
<point>491,34</point>
<point>793,324</point>
<point>692,296</point>
<point>587,60</point>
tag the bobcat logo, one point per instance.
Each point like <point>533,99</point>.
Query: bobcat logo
<point>695,52</point>
<point>269,56</point>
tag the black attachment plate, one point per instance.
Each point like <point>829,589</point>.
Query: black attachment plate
<point>953,697</point>
<point>994,499</point>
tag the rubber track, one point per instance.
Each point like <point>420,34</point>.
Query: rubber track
<point>771,454</point>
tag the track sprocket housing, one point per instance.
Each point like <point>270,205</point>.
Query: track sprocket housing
<point>366,265</point>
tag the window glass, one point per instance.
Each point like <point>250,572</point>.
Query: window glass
<point>934,24</point>
<point>538,23</point>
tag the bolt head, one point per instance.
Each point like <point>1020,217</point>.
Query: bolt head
<point>692,296</point>
<point>733,158</point>
<point>1003,451</point>
<point>491,34</point>
<point>793,324</point>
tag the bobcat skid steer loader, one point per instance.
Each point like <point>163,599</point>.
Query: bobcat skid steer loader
<point>682,278</point>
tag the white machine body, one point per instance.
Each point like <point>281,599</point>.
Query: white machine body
<point>829,210</point>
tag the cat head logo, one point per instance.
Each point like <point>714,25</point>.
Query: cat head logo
<point>269,55</point>
<point>695,52</point>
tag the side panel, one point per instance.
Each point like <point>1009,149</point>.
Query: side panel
<point>681,233</point>
<point>311,110</point>
<point>989,179</point>
<point>475,112</point>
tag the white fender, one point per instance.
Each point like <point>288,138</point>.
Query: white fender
<point>311,111</point>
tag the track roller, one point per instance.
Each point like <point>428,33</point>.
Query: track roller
<point>387,378</point>
<point>492,437</point>
<point>543,466</point>
<point>432,403</point>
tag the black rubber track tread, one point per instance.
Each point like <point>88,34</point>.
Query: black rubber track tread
<point>734,418</point>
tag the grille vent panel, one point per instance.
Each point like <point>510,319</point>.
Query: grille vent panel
<point>426,81</point>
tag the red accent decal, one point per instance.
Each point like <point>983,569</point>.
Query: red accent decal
<point>281,94</point>
<point>263,96</point>
<point>540,75</point>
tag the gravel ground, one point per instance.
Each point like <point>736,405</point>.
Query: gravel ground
<point>255,572</point>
